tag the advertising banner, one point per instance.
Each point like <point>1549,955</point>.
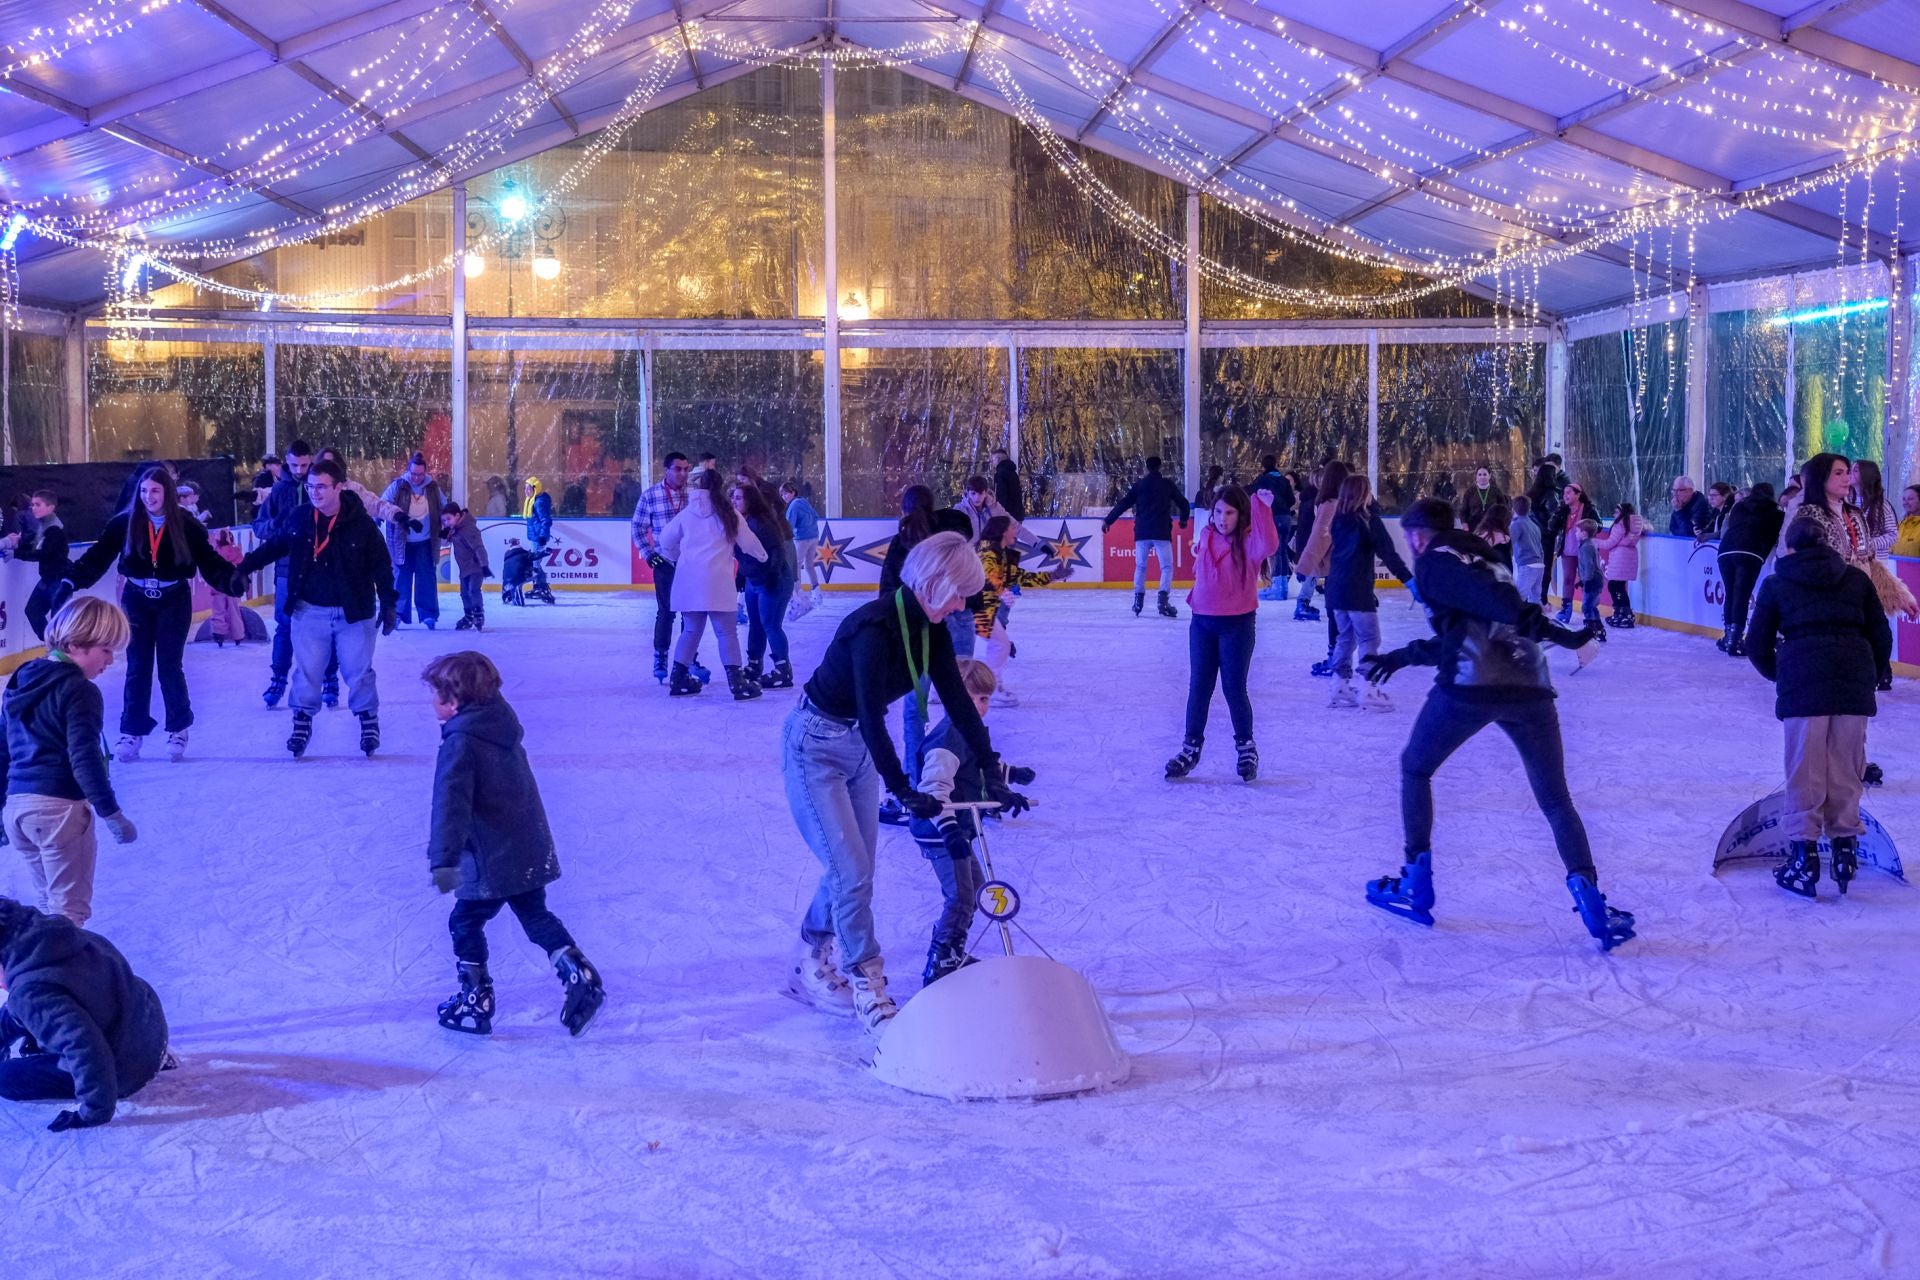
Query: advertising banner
<point>1681,582</point>
<point>1758,833</point>
<point>1116,554</point>
<point>580,552</point>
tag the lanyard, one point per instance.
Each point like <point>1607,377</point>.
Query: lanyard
<point>320,540</point>
<point>918,674</point>
<point>153,545</point>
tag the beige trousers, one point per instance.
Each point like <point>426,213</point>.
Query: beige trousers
<point>1826,756</point>
<point>55,836</point>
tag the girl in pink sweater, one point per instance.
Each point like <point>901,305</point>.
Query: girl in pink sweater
<point>1238,537</point>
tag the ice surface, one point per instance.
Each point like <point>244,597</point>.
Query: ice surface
<point>1318,1089</point>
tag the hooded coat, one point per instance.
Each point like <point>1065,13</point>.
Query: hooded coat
<point>1752,528</point>
<point>1818,632</point>
<point>1619,549</point>
<point>487,817</point>
<point>77,996</point>
<point>696,541</point>
<point>53,718</point>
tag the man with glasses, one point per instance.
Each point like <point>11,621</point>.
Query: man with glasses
<point>656,509</point>
<point>288,492</point>
<point>339,585</point>
<point>1691,511</point>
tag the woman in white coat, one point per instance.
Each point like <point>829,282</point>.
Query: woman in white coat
<point>700,542</point>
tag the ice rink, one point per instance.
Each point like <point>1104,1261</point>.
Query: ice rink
<point>1318,1089</point>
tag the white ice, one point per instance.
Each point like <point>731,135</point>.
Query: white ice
<point>1318,1089</point>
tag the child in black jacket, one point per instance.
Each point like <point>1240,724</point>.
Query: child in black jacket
<point>77,1023</point>
<point>491,846</point>
<point>44,544</point>
<point>1820,635</point>
<point>1359,538</point>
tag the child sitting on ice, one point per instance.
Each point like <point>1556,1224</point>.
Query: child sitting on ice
<point>491,846</point>
<point>949,773</point>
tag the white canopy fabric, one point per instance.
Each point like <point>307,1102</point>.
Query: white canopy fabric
<point>1612,150</point>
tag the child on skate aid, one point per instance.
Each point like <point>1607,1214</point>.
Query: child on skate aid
<point>491,847</point>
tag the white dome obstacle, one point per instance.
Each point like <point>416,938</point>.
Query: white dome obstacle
<point>1758,833</point>
<point>1007,1026</point>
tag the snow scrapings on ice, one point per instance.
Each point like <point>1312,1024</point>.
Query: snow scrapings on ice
<point>1317,1088</point>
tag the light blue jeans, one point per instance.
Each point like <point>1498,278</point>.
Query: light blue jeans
<point>319,633</point>
<point>1160,547</point>
<point>834,792</point>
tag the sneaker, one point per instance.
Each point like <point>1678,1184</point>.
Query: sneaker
<point>871,1003</point>
<point>815,980</point>
<point>127,749</point>
<point>177,745</point>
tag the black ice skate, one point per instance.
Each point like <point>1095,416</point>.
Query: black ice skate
<point>302,733</point>
<point>741,685</point>
<point>581,980</point>
<point>683,682</point>
<point>1182,765</point>
<point>369,732</point>
<point>465,623</point>
<point>276,690</point>
<point>1846,861</point>
<point>1409,894</point>
<point>471,1008</point>
<point>1166,608</point>
<point>1873,777</point>
<point>330,691</point>
<point>1800,873</point>
<point>1139,602</point>
<point>1247,763</point>
<point>660,665</point>
<point>781,677</point>
<point>1610,925</point>
<point>943,960</point>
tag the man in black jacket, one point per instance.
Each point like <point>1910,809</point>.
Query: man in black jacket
<point>288,492</point>
<point>1153,499</point>
<point>77,1023</point>
<point>1006,486</point>
<point>1486,643</point>
<point>1274,481</point>
<point>1753,528</point>
<point>339,581</point>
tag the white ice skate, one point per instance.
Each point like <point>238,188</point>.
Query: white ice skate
<point>1005,697</point>
<point>127,750</point>
<point>815,980</point>
<point>177,745</point>
<point>1344,695</point>
<point>871,1003</point>
<point>1377,699</point>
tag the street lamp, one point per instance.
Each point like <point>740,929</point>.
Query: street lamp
<point>516,235</point>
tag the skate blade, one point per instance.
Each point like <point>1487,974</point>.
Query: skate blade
<point>464,1030</point>
<point>1405,910</point>
<point>579,1018</point>
<point>803,999</point>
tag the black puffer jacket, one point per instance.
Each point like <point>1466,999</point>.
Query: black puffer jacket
<point>53,723</point>
<point>487,816</point>
<point>1753,526</point>
<point>1818,633</point>
<point>1486,638</point>
<point>76,995</point>
<point>1357,542</point>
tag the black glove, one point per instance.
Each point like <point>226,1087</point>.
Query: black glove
<point>657,562</point>
<point>76,1120</point>
<point>1020,775</point>
<point>389,619</point>
<point>1379,668</point>
<point>918,804</point>
<point>1011,802</point>
<point>414,526</point>
<point>237,583</point>
<point>955,840</point>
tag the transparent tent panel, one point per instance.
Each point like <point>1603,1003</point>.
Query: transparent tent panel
<point>37,398</point>
<point>1447,410</point>
<point>918,416</point>
<point>1300,404</point>
<point>1626,417</point>
<point>376,405</point>
<point>763,408</point>
<point>1747,400</point>
<point>570,419</point>
<point>162,399</point>
<point>1840,386</point>
<point>1089,419</point>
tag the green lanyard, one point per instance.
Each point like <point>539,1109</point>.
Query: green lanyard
<point>919,674</point>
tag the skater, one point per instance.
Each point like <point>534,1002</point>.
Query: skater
<point>699,543</point>
<point>1752,532</point>
<point>1007,490</point>
<point>1315,546</point>
<point>950,775</point>
<point>413,540</point>
<point>658,505</point>
<point>78,1023</point>
<point>45,547</point>
<point>539,534</point>
<point>1000,562</point>
<point>918,522</point>
<point>1486,644</point>
<point>54,766</point>
<point>1563,540</point>
<point>1484,495</point>
<point>1274,479</point>
<point>1529,559</point>
<point>1620,559</point>
<point>836,754</point>
<point>769,588</point>
<point>1592,575</point>
<point>340,587</point>
<point>288,492</point>
<point>158,549</point>
<point>490,845</point>
<point>1153,500</point>
<point>1308,491</point>
<point>805,522</point>
<point>470,561</point>
<point>1225,602</point>
<point>227,619</point>
<point>1360,538</point>
<point>1203,500</point>
<point>1820,634</point>
<point>977,504</point>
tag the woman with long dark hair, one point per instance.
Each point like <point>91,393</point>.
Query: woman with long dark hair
<point>159,548</point>
<point>1870,495</point>
<point>769,587</point>
<point>701,542</point>
<point>916,524</point>
<point>1543,500</point>
<point>1316,546</point>
<point>1225,600</point>
<point>1563,540</point>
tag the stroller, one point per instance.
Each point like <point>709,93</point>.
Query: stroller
<point>520,567</point>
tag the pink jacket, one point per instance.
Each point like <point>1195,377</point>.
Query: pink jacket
<point>1619,549</point>
<point>1222,588</point>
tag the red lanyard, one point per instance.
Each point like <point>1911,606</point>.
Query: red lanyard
<point>153,544</point>
<point>320,540</point>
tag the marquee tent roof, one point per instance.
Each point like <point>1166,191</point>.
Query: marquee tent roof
<point>1616,147</point>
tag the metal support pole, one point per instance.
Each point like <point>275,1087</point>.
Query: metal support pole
<point>1699,370</point>
<point>1190,417</point>
<point>1633,419</point>
<point>830,270</point>
<point>79,437</point>
<point>1373,410</point>
<point>1556,398</point>
<point>1898,450</point>
<point>1013,397</point>
<point>1792,396</point>
<point>646,409</point>
<point>268,363</point>
<point>459,379</point>
<point>6,392</point>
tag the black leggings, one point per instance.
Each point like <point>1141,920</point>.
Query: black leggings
<point>468,924</point>
<point>1219,649</point>
<point>1739,572</point>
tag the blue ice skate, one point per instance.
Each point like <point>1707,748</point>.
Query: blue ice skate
<point>1409,894</point>
<point>1610,925</point>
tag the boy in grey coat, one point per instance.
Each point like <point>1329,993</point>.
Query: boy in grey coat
<point>491,846</point>
<point>470,562</point>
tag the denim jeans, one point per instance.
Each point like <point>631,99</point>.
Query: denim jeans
<point>1160,547</point>
<point>320,634</point>
<point>415,581</point>
<point>1219,649</point>
<point>472,597</point>
<point>159,641</point>
<point>1358,637</point>
<point>1531,580</point>
<point>1283,556</point>
<point>663,608</point>
<point>1590,599</point>
<point>913,729</point>
<point>34,1077</point>
<point>960,881</point>
<point>767,622</point>
<point>834,793</point>
<point>1445,724</point>
<point>281,657</point>
<point>468,924</point>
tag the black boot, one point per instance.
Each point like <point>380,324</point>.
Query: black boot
<point>302,733</point>
<point>683,682</point>
<point>1166,607</point>
<point>1801,871</point>
<point>369,732</point>
<point>943,959</point>
<point>465,623</point>
<point>471,1008</point>
<point>1248,762</point>
<point>660,665</point>
<point>276,690</point>
<point>581,981</point>
<point>781,677</point>
<point>330,691</point>
<point>1846,861</point>
<point>1139,602</point>
<point>741,685</point>
<point>479,617</point>
<point>1182,765</point>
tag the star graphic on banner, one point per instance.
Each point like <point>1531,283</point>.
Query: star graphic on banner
<point>874,553</point>
<point>831,554</point>
<point>1063,549</point>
